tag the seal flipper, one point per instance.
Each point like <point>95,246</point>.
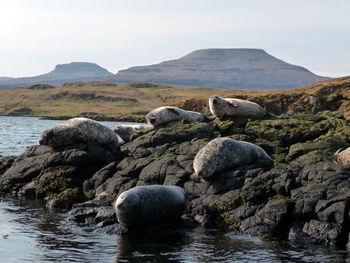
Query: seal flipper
<point>173,111</point>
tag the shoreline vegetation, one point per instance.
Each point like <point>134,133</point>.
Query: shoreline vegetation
<point>104,101</point>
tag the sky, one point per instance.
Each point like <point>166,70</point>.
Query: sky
<point>35,35</point>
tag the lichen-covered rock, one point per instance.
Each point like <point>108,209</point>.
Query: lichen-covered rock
<point>317,232</point>
<point>46,173</point>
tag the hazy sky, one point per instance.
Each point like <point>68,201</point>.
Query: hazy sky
<point>38,34</point>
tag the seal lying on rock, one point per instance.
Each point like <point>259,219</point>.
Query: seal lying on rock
<point>224,107</point>
<point>165,114</point>
<point>79,130</point>
<point>148,205</point>
<point>342,157</point>
<point>126,132</point>
<point>223,154</point>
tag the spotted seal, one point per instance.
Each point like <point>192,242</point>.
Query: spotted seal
<point>143,206</point>
<point>79,130</point>
<point>223,154</point>
<point>165,114</point>
<point>225,107</point>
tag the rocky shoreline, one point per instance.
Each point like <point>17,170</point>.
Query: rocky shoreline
<point>304,196</point>
<point>99,117</point>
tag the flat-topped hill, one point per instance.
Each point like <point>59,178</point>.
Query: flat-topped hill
<point>63,73</point>
<point>252,69</point>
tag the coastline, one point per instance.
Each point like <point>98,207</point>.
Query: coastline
<point>96,117</point>
<point>302,196</point>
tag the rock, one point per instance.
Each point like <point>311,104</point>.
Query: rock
<point>67,198</point>
<point>304,196</point>
<point>6,163</point>
<point>100,177</point>
<point>99,212</point>
<point>25,168</point>
<point>46,173</point>
<point>323,232</point>
<point>276,214</point>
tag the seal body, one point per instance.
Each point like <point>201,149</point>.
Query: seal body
<point>342,157</point>
<point>225,107</point>
<point>148,205</point>
<point>224,154</point>
<point>165,114</point>
<point>79,130</point>
<point>126,132</point>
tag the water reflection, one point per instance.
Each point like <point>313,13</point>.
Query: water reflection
<point>161,247</point>
<point>29,232</point>
<point>38,234</point>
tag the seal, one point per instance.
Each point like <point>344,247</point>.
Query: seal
<point>79,130</point>
<point>225,107</point>
<point>224,154</point>
<point>165,114</point>
<point>342,157</point>
<point>143,206</point>
<point>128,132</point>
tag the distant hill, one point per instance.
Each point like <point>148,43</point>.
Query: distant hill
<point>252,69</point>
<point>72,72</point>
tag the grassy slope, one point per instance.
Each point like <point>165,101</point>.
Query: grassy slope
<point>331,94</point>
<point>44,103</point>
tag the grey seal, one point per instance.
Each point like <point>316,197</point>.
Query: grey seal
<point>143,206</point>
<point>79,130</point>
<point>223,154</point>
<point>225,107</point>
<point>165,114</point>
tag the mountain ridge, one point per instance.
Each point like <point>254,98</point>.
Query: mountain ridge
<point>62,73</point>
<point>231,68</point>
<point>239,68</point>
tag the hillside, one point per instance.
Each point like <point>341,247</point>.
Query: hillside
<point>332,94</point>
<point>109,99</point>
<point>252,69</point>
<point>75,71</point>
<point>86,98</point>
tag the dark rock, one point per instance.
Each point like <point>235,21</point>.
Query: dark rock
<point>66,198</point>
<point>57,175</point>
<point>6,163</point>
<point>100,177</point>
<point>322,232</point>
<point>99,212</point>
<point>25,168</point>
<point>305,196</point>
<point>277,215</point>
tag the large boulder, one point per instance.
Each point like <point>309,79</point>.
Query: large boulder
<point>43,172</point>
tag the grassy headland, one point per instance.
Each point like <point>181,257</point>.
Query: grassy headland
<point>137,98</point>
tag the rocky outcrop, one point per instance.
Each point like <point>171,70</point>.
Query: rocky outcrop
<point>55,175</point>
<point>304,196</point>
